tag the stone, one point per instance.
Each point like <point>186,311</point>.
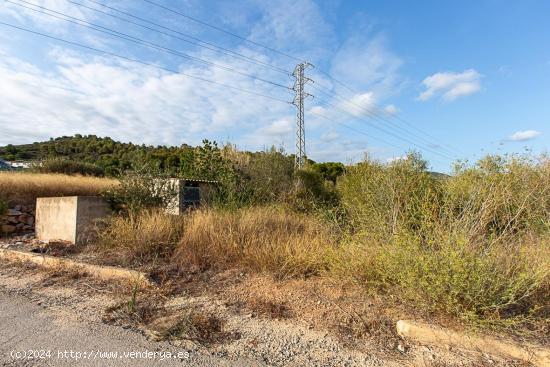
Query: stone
<point>7,228</point>
<point>17,207</point>
<point>13,212</point>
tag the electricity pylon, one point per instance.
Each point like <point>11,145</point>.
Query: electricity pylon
<point>300,95</point>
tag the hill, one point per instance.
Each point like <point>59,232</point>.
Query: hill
<point>111,156</point>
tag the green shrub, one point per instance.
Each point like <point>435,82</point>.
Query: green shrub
<point>68,167</point>
<point>380,199</point>
<point>312,192</point>
<point>143,189</point>
<point>474,245</point>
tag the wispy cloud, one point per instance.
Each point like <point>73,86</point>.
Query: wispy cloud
<point>366,61</point>
<point>451,85</point>
<point>391,109</point>
<point>524,135</point>
<point>64,91</point>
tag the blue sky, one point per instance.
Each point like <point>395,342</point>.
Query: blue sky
<point>454,80</point>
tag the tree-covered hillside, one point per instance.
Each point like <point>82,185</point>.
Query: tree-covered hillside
<point>112,156</point>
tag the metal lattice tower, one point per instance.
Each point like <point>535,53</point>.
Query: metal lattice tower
<point>299,97</point>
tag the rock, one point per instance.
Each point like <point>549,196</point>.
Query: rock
<point>17,207</point>
<point>7,228</point>
<point>401,348</point>
<point>13,220</point>
<point>13,212</point>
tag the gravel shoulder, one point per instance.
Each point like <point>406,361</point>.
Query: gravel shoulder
<point>41,310</point>
<point>63,327</point>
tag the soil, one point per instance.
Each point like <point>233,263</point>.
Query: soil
<point>233,316</point>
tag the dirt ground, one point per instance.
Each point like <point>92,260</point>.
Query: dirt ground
<point>236,316</point>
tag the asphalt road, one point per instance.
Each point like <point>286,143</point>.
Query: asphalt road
<point>33,336</point>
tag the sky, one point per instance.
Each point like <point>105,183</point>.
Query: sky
<point>452,80</point>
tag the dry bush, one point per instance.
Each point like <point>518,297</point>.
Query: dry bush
<point>474,245</point>
<point>140,237</point>
<point>261,239</point>
<point>20,187</point>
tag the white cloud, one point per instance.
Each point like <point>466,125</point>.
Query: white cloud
<point>391,109</point>
<point>524,135</point>
<point>67,92</point>
<point>360,104</point>
<point>286,30</point>
<point>55,25</point>
<point>279,127</point>
<point>451,85</point>
<point>365,61</point>
<point>330,136</point>
<point>106,97</point>
<point>396,159</point>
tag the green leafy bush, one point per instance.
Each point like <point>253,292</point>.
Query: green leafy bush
<point>473,245</point>
<point>68,167</point>
<point>145,189</point>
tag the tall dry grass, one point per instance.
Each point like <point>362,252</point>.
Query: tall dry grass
<point>21,187</point>
<point>260,238</point>
<point>140,237</point>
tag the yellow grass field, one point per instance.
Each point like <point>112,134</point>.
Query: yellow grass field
<point>21,187</point>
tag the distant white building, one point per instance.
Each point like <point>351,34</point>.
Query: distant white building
<point>19,164</point>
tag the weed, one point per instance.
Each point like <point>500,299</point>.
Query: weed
<point>262,239</point>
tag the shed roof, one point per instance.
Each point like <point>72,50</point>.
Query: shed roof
<point>195,180</point>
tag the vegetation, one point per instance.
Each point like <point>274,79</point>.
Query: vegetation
<point>68,167</point>
<point>141,190</point>
<point>142,237</point>
<point>22,187</point>
<point>260,239</point>
<point>474,245</point>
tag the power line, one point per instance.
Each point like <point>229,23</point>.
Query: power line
<point>354,92</point>
<point>372,113</point>
<point>354,129</point>
<point>377,116</point>
<point>360,131</point>
<point>196,41</point>
<point>219,29</point>
<point>330,105</point>
<point>141,62</point>
<point>137,40</point>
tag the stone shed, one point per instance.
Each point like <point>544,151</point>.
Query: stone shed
<point>191,193</point>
